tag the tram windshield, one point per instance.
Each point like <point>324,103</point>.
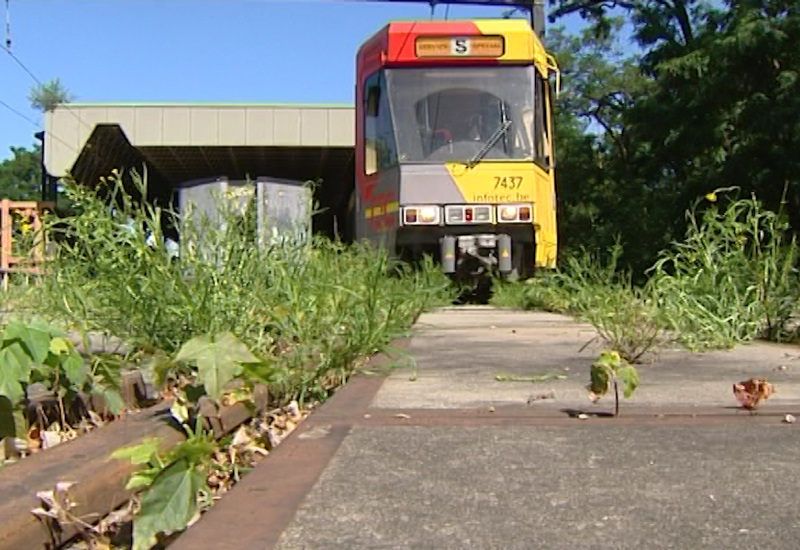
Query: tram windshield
<point>462,113</point>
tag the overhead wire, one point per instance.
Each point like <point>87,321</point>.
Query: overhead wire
<point>38,125</point>
<point>42,85</point>
<point>19,114</point>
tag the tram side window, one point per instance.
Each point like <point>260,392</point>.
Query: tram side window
<point>380,149</point>
<point>542,132</point>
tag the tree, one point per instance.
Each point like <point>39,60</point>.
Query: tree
<point>20,176</point>
<point>46,97</point>
<point>733,107</point>
<point>598,203</point>
<point>720,106</point>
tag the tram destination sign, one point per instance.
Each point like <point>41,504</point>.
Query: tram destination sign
<point>459,46</point>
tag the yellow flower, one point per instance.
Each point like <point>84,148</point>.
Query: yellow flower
<point>712,197</point>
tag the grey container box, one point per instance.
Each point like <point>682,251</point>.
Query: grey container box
<point>284,211</point>
<point>206,196</point>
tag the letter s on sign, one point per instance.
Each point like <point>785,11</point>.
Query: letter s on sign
<point>460,46</point>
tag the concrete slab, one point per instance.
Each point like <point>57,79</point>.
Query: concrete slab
<point>582,487</point>
<point>458,352</point>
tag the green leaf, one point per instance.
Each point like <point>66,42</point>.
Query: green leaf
<point>601,379</point>
<point>161,367</point>
<point>142,479</point>
<point>11,425</point>
<point>15,356</point>
<point>36,340</point>
<point>111,396</point>
<point>610,359</point>
<point>168,505</point>
<point>59,346</point>
<point>196,449</point>
<point>629,378</point>
<point>265,372</point>
<point>137,454</point>
<point>218,360</point>
<point>75,369</point>
<point>108,370</point>
<point>15,367</point>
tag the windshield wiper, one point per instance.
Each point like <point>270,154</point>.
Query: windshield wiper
<point>489,144</point>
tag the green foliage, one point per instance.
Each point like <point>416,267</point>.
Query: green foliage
<point>545,291</point>
<point>35,353</point>
<point>712,101</point>
<point>218,359</point>
<point>169,505</point>
<point>21,175</point>
<point>733,278</point>
<point>47,96</point>
<point>607,372</point>
<point>173,484</point>
<point>624,315</point>
<point>307,311</point>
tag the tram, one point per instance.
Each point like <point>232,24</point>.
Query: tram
<point>454,145</point>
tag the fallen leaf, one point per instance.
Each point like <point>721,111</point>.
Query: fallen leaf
<point>750,392</point>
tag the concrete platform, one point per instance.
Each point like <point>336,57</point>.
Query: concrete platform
<point>441,455</point>
<point>459,352</point>
<point>578,488</point>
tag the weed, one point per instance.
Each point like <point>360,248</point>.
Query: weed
<point>175,483</point>
<point>311,308</point>
<point>733,278</point>
<point>36,354</point>
<point>609,370</point>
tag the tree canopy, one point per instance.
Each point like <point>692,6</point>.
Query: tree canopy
<point>20,175</point>
<point>713,100</point>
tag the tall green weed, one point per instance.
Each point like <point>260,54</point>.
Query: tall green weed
<point>313,306</point>
<point>733,278</point>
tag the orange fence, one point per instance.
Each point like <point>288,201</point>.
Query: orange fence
<point>21,221</point>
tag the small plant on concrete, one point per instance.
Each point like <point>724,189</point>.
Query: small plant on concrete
<point>609,370</point>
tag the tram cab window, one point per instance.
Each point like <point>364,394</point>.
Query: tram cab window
<point>380,151</point>
<point>458,113</point>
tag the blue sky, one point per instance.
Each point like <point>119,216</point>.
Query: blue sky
<point>297,51</point>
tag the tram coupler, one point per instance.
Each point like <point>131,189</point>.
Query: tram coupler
<point>448,248</point>
<point>504,264</point>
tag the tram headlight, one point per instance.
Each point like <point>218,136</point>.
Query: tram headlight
<point>511,213</point>
<point>429,214</point>
<point>508,213</point>
<point>421,215</point>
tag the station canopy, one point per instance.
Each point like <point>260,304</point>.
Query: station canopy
<point>183,142</point>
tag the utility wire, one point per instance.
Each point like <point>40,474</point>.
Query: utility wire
<point>39,82</point>
<point>19,114</point>
<point>37,126</point>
